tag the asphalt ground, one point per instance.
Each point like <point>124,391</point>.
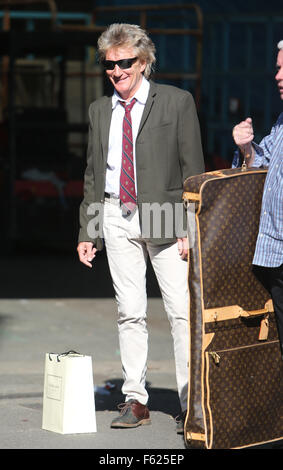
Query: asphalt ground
<point>49,302</point>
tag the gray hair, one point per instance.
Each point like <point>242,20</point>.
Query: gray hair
<point>280,45</point>
<point>129,35</point>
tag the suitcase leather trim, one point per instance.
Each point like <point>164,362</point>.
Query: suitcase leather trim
<point>234,311</point>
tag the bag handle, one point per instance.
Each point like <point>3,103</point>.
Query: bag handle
<point>63,354</point>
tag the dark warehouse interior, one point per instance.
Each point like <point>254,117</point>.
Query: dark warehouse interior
<point>222,52</point>
<point>200,357</point>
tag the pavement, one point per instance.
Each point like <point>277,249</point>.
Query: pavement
<point>49,302</point>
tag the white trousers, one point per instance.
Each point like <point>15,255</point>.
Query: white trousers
<point>127,257</point>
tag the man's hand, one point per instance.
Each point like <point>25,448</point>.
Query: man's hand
<point>86,252</point>
<point>243,135</point>
<point>183,247</point>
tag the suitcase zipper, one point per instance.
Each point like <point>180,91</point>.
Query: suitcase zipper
<point>210,374</point>
<point>216,355</point>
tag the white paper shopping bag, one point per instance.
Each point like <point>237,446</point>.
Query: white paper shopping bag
<point>68,398</point>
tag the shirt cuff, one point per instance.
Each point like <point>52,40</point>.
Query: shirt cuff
<point>237,159</point>
<point>258,157</point>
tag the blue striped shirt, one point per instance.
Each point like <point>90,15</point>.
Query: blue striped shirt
<point>269,153</point>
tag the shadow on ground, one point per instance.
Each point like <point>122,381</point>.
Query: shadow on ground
<point>160,399</point>
<point>58,273</point>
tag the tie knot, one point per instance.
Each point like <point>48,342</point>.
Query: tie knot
<point>128,107</point>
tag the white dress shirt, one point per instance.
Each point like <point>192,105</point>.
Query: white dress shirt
<point>114,158</point>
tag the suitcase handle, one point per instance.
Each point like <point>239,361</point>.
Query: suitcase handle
<point>234,311</point>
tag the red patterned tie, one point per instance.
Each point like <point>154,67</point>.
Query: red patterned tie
<point>127,178</point>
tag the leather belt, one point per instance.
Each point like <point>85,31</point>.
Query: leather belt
<point>112,199</point>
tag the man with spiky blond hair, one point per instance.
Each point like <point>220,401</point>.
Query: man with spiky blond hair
<point>144,141</point>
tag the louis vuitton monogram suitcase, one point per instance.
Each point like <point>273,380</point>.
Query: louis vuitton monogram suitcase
<point>235,392</point>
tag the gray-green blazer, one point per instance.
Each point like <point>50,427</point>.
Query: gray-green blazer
<point>168,150</point>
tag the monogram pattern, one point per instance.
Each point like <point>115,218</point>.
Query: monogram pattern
<point>240,409</point>
<point>235,382</point>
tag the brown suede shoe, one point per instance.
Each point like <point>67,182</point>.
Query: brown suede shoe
<point>132,414</point>
<point>180,421</point>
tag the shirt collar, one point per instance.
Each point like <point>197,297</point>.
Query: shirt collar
<point>141,95</point>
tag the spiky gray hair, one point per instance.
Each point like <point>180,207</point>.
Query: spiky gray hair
<point>129,35</point>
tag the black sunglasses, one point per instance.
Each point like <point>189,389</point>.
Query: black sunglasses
<point>122,64</point>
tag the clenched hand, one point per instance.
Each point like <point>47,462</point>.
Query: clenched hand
<point>86,252</point>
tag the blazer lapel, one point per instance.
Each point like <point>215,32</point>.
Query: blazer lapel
<point>105,121</point>
<point>106,113</point>
<point>148,105</point>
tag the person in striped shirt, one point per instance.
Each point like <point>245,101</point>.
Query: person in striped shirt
<point>268,256</point>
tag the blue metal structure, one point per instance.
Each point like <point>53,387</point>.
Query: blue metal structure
<point>238,76</point>
<point>31,16</point>
<point>238,58</point>
<point>225,56</point>
<point>238,67</point>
